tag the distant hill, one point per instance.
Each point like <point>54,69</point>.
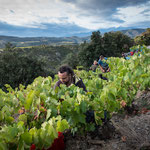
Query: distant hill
<point>133,32</point>
<point>36,41</point>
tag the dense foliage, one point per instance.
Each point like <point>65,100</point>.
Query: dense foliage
<point>18,69</point>
<point>52,56</point>
<point>27,63</point>
<point>144,38</point>
<point>23,65</point>
<point>35,114</point>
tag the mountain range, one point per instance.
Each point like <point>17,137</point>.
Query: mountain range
<point>36,41</point>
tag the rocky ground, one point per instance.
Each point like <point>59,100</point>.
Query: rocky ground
<point>127,131</point>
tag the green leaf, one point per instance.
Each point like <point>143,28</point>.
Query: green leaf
<point>1,116</point>
<point>113,90</point>
<point>20,145</point>
<point>3,146</point>
<point>90,127</point>
<point>42,134</point>
<point>124,93</point>
<point>34,135</point>
<point>23,118</point>
<point>29,100</point>
<point>81,118</point>
<point>42,96</point>
<point>20,96</point>
<point>144,75</point>
<point>111,96</point>
<point>48,114</point>
<point>76,117</point>
<point>20,123</point>
<point>51,131</point>
<point>83,106</point>
<point>62,125</point>
<point>27,138</point>
<point>8,134</point>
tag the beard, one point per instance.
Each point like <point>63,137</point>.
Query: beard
<point>68,83</point>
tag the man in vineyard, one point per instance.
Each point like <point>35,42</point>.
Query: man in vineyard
<point>67,77</point>
<point>94,66</point>
<point>103,65</point>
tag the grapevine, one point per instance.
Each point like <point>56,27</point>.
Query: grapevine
<point>34,115</point>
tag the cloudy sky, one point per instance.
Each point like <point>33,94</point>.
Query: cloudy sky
<point>71,17</point>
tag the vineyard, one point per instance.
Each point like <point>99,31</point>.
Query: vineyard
<point>37,113</point>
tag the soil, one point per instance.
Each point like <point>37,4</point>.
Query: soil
<point>129,130</point>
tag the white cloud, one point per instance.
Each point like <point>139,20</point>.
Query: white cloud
<point>133,15</point>
<point>33,13</point>
<point>36,13</point>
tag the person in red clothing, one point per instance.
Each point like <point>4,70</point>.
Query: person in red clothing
<point>131,53</point>
<point>58,143</point>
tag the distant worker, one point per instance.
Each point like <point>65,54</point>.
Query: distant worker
<point>67,77</point>
<point>132,52</point>
<point>94,66</point>
<point>103,65</point>
<point>123,55</point>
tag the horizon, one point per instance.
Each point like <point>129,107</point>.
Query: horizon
<point>67,18</point>
<point>89,34</point>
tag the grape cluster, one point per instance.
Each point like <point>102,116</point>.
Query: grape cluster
<point>101,76</point>
<point>90,116</point>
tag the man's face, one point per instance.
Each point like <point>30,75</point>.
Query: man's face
<point>95,62</point>
<point>64,78</point>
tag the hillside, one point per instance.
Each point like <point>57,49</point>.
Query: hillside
<point>133,32</point>
<point>36,41</point>
<point>111,115</point>
<point>126,131</point>
<point>52,56</point>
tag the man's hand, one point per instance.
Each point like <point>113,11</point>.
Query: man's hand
<point>103,70</point>
<point>60,100</point>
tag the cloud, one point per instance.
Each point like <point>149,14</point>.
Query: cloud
<point>104,7</point>
<point>89,14</point>
<point>134,15</point>
<point>53,30</point>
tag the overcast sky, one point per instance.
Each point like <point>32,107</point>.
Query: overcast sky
<point>71,17</point>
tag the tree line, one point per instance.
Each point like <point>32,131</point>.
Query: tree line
<point>111,44</point>
<point>23,65</point>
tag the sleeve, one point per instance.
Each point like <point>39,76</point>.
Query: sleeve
<point>80,84</point>
<point>127,58</point>
<point>57,84</point>
<point>99,62</point>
